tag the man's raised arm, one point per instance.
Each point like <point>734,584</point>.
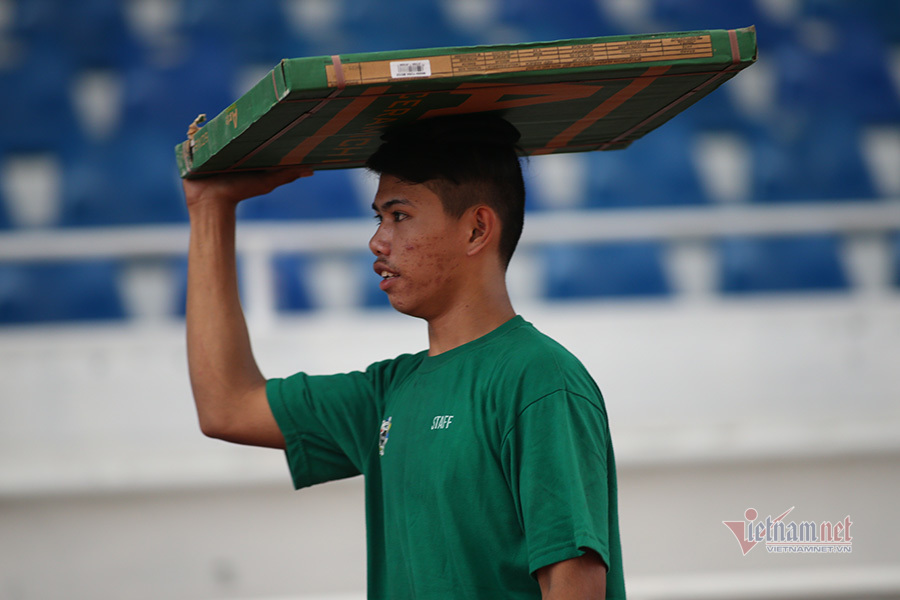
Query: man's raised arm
<point>229,389</point>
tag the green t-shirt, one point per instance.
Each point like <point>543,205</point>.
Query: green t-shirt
<point>482,464</point>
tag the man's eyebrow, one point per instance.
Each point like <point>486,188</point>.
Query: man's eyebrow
<point>390,203</point>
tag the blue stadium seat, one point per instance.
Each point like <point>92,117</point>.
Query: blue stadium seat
<point>886,13</point>
<point>715,111</point>
<point>291,280</point>
<point>325,195</point>
<point>371,26</point>
<point>655,170</point>
<point>781,264</point>
<point>35,107</point>
<point>678,15</point>
<point>129,181</point>
<point>256,31</point>
<point>167,98</point>
<point>847,74</point>
<point>93,33</point>
<point>97,33</point>
<point>563,19</point>
<point>612,270</point>
<point>59,291</point>
<point>810,159</point>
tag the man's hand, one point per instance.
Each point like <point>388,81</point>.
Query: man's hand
<point>231,188</point>
<point>582,578</point>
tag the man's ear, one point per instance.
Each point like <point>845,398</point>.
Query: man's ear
<point>484,227</point>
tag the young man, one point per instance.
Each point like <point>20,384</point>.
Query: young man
<point>487,458</point>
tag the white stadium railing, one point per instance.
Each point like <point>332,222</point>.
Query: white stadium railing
<point>673,224</point>
<point>865,227</point>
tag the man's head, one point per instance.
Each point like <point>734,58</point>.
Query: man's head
<point>466,160</point>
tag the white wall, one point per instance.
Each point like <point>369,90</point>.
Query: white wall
<point>108,490</point>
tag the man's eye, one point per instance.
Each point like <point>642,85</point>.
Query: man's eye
<point>377,218</point>
<point>399,216</point>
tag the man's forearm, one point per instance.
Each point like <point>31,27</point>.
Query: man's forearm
<point>220,358</point>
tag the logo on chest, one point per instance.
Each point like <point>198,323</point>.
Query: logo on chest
<point>442,422</point>
<point>383,435</point>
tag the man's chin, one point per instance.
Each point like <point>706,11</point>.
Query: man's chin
<point>406,308</point>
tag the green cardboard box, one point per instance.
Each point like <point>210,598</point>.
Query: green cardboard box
<point>328,112</point>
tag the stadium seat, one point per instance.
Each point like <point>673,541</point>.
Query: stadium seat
<point>371,26</point>
<point>128,181</point>
<point>678,15</point>
<point>887,14</point>
<point>556,181</point>
<point>715,111</point>
<point>723,161</point>
<point>36,111</point>
<point>59,291</point>
<point>90,33</point>
<point>810,158</point>
<point>612,270</point>
<point>325,195</point>
<point>31,185</point>
<point>825,63</point>
<point>567,19</point>
<point>780,264</point>
<point>168,97</point>
<point>291,279</point>
<point>655,170</point>
<point>257,32</point>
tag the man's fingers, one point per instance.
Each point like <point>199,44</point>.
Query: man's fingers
<point>270,180</point>
<point>288,174</point>
<point>235,187</point>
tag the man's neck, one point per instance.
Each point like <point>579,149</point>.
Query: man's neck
<point>468,321</point>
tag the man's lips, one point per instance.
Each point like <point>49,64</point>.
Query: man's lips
<point>384,271</point>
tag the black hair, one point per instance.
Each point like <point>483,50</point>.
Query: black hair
<point>465,160</point>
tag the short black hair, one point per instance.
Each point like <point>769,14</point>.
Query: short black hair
<point>465,160</point>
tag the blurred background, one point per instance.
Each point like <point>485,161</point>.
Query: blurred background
<point>732,281</point>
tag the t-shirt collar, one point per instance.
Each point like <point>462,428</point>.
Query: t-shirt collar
<point>430,363</point>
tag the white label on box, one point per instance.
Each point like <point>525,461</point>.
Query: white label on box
<point>410,68</point>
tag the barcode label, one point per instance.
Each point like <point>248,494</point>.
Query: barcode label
<point>410,68</point>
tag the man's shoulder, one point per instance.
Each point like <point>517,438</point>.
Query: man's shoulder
<point>533,346</point>
<point>398,367</point>
<point>542,363</point>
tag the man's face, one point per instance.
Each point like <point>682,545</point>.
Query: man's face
<point>419,249</point>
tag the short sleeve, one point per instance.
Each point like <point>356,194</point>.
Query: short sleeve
<point>329,423</point>
<point>556,456</point>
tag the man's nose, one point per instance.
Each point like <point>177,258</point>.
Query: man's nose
<point>379,244</point>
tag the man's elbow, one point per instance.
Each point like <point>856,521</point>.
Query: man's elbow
<point>213,425</point>
<point>214,413</point>
<point>240,419</point>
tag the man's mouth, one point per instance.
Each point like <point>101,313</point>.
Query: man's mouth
<point>385,271</point>
<point>387,274</point>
